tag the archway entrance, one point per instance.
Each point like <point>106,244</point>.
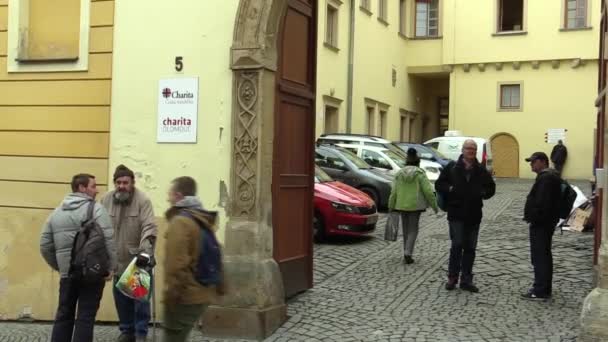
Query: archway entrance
<point>505,151</point>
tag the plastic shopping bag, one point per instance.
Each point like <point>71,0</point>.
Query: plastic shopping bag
<point>392,226</point>
<point>135,282</point>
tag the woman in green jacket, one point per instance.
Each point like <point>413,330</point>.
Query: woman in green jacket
<point>411,194</point>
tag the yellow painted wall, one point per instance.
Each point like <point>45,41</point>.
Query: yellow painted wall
<point>562,98</point>
<point>52,126</point>
<point>201,32</point>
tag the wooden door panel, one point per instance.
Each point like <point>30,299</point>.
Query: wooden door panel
<point>293,165</point>
<point>505,150</point>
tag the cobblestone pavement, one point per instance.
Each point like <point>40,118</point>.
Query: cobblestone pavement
<point>363,291</point>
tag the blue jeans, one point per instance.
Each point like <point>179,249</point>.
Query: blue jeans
<point>462,253</point>
<point>134,316</point>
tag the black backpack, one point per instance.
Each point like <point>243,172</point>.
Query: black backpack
<point>566,202</point>
<point>208,270</point>
<point>90,259</point>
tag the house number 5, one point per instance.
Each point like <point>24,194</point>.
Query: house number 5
<point>179,65</point>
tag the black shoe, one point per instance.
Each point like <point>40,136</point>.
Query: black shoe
<point>469,287</point>
<point>408,259</point>
<point>126,338</point>
<point>451,284</point>
<point>530,295</point>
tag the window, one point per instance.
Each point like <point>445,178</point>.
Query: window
<point>404,128</point>
<point>576,14</point>
<point>331,119</point>
<point>375,159</point>
<point>402,17</point>
<point>370,121</point>
<point>45,36</point>
<point>427,18</point>
<point>444,114</point>
<point>510,15</point>
<point>331,26</point>
<point>383,123</point>
<point>510,96</point>
<point>382,10</point>
<point>329,160</point>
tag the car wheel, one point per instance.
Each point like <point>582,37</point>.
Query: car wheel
<point>372,194</point>
<point>319,233</point>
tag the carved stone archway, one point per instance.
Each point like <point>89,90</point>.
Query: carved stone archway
<point>254,306</point>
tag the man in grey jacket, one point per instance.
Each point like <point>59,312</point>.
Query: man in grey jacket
<point>56,248</point>
<point>135,235</point>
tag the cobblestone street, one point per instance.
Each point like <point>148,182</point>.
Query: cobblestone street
<point>363,291</point>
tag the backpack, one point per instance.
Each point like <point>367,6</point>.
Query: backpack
<point>208,270</point>
<point>566,202</point>
<point>89,259</point>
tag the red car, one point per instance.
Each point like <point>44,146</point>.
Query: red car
<point>341,209</point>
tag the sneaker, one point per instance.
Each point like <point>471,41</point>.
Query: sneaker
<point>469,287</point>
<point>451,284</point>
<point>408,259</point>
<point>530,295</point>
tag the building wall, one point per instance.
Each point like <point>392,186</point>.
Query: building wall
<point>203,38</point>
<point>52,126</point>
<point>552,98</point>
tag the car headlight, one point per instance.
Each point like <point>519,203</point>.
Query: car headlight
<point>431,169</point>
<point>345,208</point>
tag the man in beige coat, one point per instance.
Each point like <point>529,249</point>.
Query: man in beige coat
<point>135,233</point>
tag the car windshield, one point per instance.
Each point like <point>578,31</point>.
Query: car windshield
<point>321,176</point>
<point>359,163</point>
<point>397,158</point>
<point>396,149</point>
<point>436,152</point>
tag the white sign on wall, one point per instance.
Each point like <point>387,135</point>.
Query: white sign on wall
<point>553,135</point>
<point>177,110</point>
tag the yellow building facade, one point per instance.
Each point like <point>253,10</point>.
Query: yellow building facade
<point>80,94</point>
<point>504,71</point>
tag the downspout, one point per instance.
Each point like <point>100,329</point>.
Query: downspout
<point>351,57</point>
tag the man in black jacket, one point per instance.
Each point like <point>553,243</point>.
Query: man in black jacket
<point>465,185</point>
<point>559,154</point>
<point>542,212</point>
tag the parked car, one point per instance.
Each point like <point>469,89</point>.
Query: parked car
<point>346,167</point>
<point>426,152</point>
<point>386,160</point>
<point>451,147</point>
<point>341,209</point>
<point>361,139</point>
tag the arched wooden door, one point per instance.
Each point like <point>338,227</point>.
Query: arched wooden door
<point>293,164</point>
<point>505,152</point>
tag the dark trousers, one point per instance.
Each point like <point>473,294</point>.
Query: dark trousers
<point>542,260</point>
<point>134,315</point>
<point>462,253</point>
<point>84,295</point>
<point>559,167</point>
<point>179,319</point>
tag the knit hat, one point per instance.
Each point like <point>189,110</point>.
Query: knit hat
<point>412,155</point>
<point>122,171</point>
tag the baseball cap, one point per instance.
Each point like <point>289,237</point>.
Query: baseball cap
<point>537,156</point>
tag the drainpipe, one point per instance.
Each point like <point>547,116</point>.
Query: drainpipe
<point>351,57</point>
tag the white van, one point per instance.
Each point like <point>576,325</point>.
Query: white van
<point>451,147</point>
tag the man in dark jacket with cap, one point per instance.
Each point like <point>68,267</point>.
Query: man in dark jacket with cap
<point>466,184</point>
<point>542,212</point>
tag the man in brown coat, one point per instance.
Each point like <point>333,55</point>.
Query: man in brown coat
<point>185,298</point>
<point>135,233</point>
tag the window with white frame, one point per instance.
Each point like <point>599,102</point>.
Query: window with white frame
<point>575,14</point>
<point>427,18</point>
<point>510,96</point>
<point>331,26</point>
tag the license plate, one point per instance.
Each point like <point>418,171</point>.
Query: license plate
<point>372,219</point>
